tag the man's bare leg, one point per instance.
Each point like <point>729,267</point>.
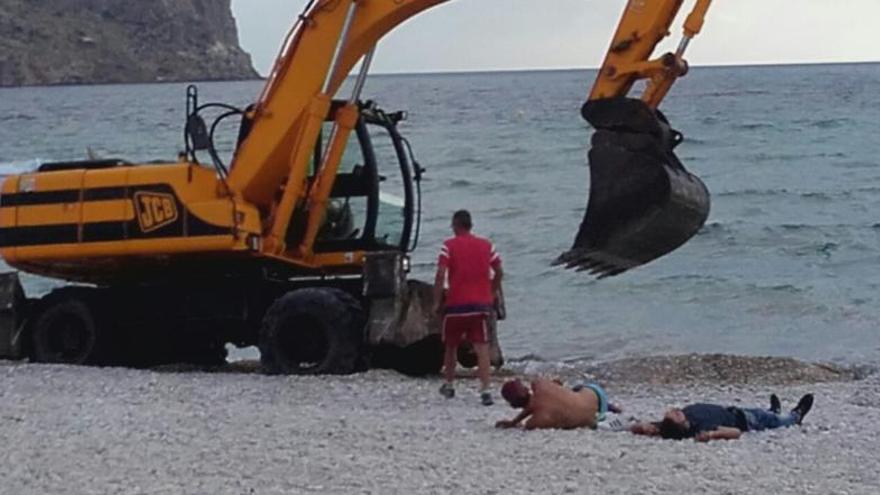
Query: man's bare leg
<point>483,363</point>
<point>449,361</point>
<point>482,351</point>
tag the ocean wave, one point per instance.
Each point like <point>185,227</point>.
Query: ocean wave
<point>715,228</point>
<point>754,126</point>
<point>763,156</point>
<point>780,157</point>
<point>817,195</point>
<point>817,231</point>
<point>689,368</point>
<point>751,192</point>
<point>823,123</point>
<point>823,196</point>
<point>709,120</point>
<point>743,92</point>
<point>755,289</point>
<point>459,161</point>
<point>506,213</point>
<point>795,227</point>
<point>514,150</point>
<point>19,167</point>
<point>534,365</point>
<point>15,116</point>
<point>829,124</point>
<point>795,240</point>
<point>857,165</point>
<point>693,277</point>
<point>747,193</point>
<point>868,189</point>
<point>773,231</point>
<point>824,249</point>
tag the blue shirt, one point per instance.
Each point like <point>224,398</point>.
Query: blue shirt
<point>708,417</point>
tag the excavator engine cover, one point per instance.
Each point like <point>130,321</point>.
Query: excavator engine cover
<point>643,203</point>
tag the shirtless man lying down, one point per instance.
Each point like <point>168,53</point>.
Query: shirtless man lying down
<point>548,404</point>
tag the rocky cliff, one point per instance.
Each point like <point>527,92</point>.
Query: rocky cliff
<point>119,41</point>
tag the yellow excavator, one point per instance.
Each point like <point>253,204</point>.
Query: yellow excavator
<point>293,246</point>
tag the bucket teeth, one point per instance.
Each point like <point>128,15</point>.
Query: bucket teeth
<point>581,260</point>
<point>598,269</point>
<point>560,260</point>
<point>588,265</point>
<point>593,262</point>
<point>568,257</point>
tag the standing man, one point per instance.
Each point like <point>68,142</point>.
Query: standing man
<point>468,263</point>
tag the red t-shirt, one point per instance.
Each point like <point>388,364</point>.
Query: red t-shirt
<point>469,260</point>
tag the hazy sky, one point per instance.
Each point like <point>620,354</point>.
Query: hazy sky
<point>524,34</point>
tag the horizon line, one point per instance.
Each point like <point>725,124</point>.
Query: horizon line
<point>570,69</point>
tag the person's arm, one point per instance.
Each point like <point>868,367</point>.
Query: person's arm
<point>510,423</point>
<point>497,294</point>
<point>721,433</point>
<point>649,429</point>
<point>495,263</point>
<point>440,277</point>
<point>439,282</point>
<point>496,280</point>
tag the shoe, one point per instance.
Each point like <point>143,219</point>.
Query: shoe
<point>775,404</point>
<point>486,398</point>
<point>447,390</point>
<point>614,424</point>
<point>803,407</point>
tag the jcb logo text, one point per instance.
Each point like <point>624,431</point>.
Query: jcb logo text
<point>154,210</point>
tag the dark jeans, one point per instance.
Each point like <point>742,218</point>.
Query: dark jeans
<point>759,419</point>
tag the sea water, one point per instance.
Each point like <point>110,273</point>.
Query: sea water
<point>787,264</point>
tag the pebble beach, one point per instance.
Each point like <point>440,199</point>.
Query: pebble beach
<point>71,429</point>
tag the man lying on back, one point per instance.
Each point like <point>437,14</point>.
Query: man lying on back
<point>704,422</point>
<point>548,404</point>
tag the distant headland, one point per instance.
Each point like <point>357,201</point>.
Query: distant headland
<point>117,41</point>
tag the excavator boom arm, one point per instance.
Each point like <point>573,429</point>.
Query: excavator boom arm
<point>319,54</point>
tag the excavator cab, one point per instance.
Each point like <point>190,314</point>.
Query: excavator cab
<point>373,203</point>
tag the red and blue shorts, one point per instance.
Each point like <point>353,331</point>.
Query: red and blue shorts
<point>470,327</point>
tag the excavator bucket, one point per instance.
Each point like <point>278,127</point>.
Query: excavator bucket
<point>643,203</point>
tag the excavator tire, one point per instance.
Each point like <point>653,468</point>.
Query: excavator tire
<point>66,329</point>
<point>313,331</point>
